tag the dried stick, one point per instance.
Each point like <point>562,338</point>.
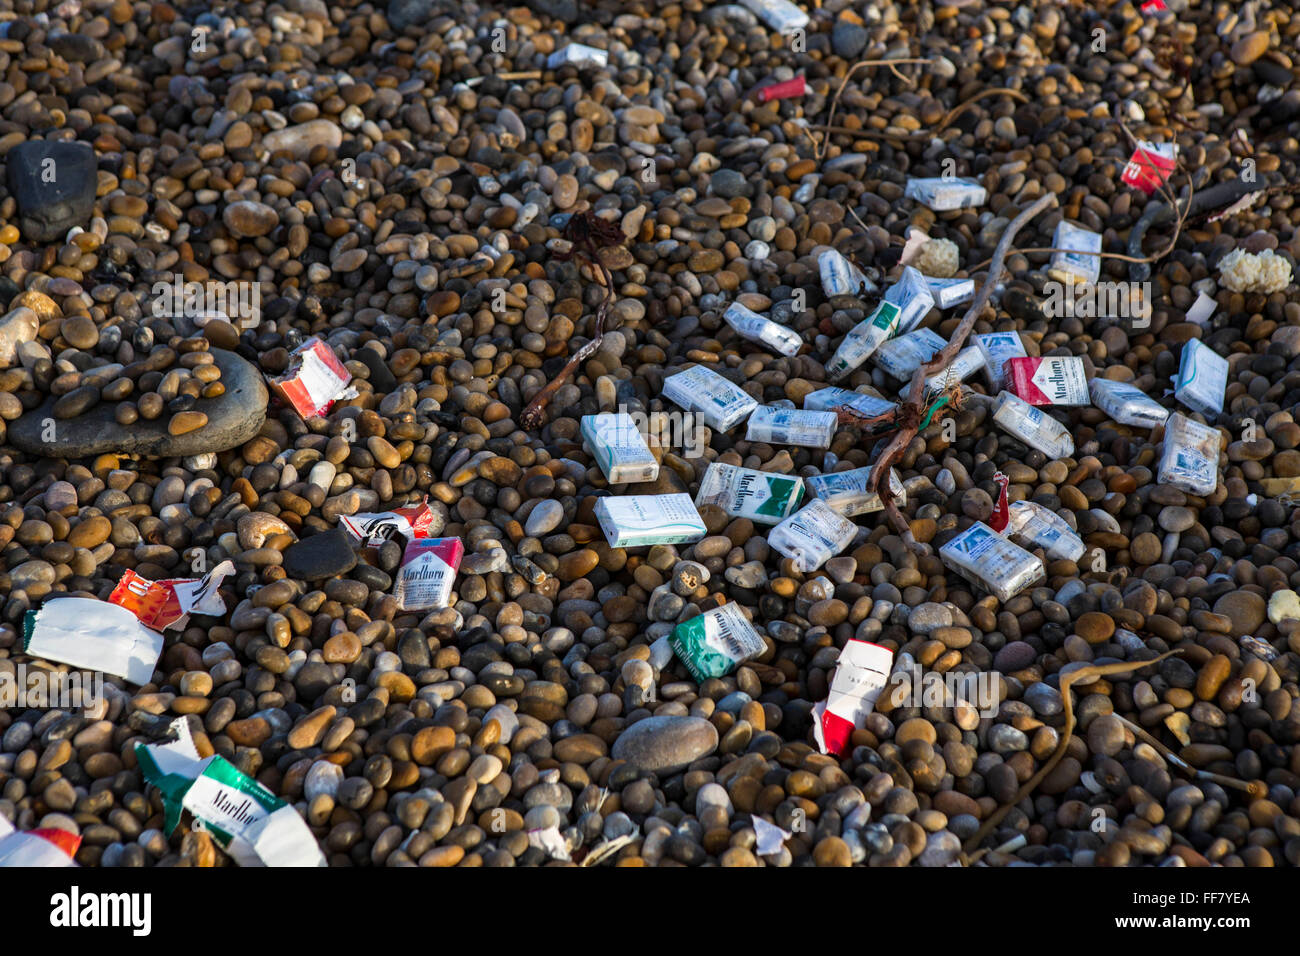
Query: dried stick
<point>909,411</point>
<point>1067,680</point>
<point>1253,788</point>
<point>589,234</point>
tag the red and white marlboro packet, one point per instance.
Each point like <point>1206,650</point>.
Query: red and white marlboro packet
<point>314,379</point>
<point>428,573</point>
<point>373,529</point>
<point>164,604</point>
<point>46,848</point>
<point>1150,166</point>
<point>860,675</point>
<point>1054,380</point>
<point>1153,6</point>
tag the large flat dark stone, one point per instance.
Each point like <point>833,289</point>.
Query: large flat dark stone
<point>233,419</point>
<point>54,183</point>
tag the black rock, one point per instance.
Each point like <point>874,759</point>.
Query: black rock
<point>729,183</point>
<point>848,39</point>
<point>381,377</point>
<point>324,555</point>
<point>1273,73</point>
<point>565,10</point>
<point>407,13</point>
<point>54,184</point>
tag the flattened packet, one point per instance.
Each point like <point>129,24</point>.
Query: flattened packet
<point>372,529</point>
<point>860,675</point>
<point>47,847</point>
<point>169,603</point>
<point>244,818</point>
<point>94,636</point>
<point>314,380</point>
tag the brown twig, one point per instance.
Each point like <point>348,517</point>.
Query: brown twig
<point>1253,788</point>
<point>589,234</point>
<point>1067,680</point>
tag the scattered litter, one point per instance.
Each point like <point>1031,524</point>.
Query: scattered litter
<point>901,356</point>
<point>950,292</point>
<point>860,675</point>
<point>830,398</point>
<point>314,380</point>
<point>781,15</point>
<point>1054,380</point>
<point>427,573</point>
<point>769,838</point>
<point>812,536</point>
<point>790,89</point>
<point>750,325</point>
<point>635,521</point>
<point>1150,166</point>
<point>1190,461</point>
<point>618,448</point>
<point>841,277</point>
<point>550,841</point>
<point>373,529</point>
<point>1081,261</point>
<point>997,347</point>
<point>943,194</point>
<point>791,426</point>
<point>718,402</point>
<point>579,55</point>
<point>1033,426</point>
<point>1035,525</point>
<point>1201,310</point>
<point>1202,379</point>
<point>1127,404</point>
<point>988,560</point>
<point>164,604</point>
<point>848,492</point>
<point>46,847</point>
<point>764,497</point>
<point>714,643</point>
<point>1265,272</point>
<point>93,635</point>
<point>245,819</point>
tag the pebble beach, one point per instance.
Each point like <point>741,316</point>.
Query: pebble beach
<point>423,192</point>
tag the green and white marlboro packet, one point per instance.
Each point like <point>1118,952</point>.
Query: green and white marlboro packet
<point>762,496</point>
<point>714,643</point>
<point>633,521</point>
<point>245,819</point>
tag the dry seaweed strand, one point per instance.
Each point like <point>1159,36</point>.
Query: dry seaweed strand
<point>1030,785</point>
<point>589,234</point>
<point>1254,789</point>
